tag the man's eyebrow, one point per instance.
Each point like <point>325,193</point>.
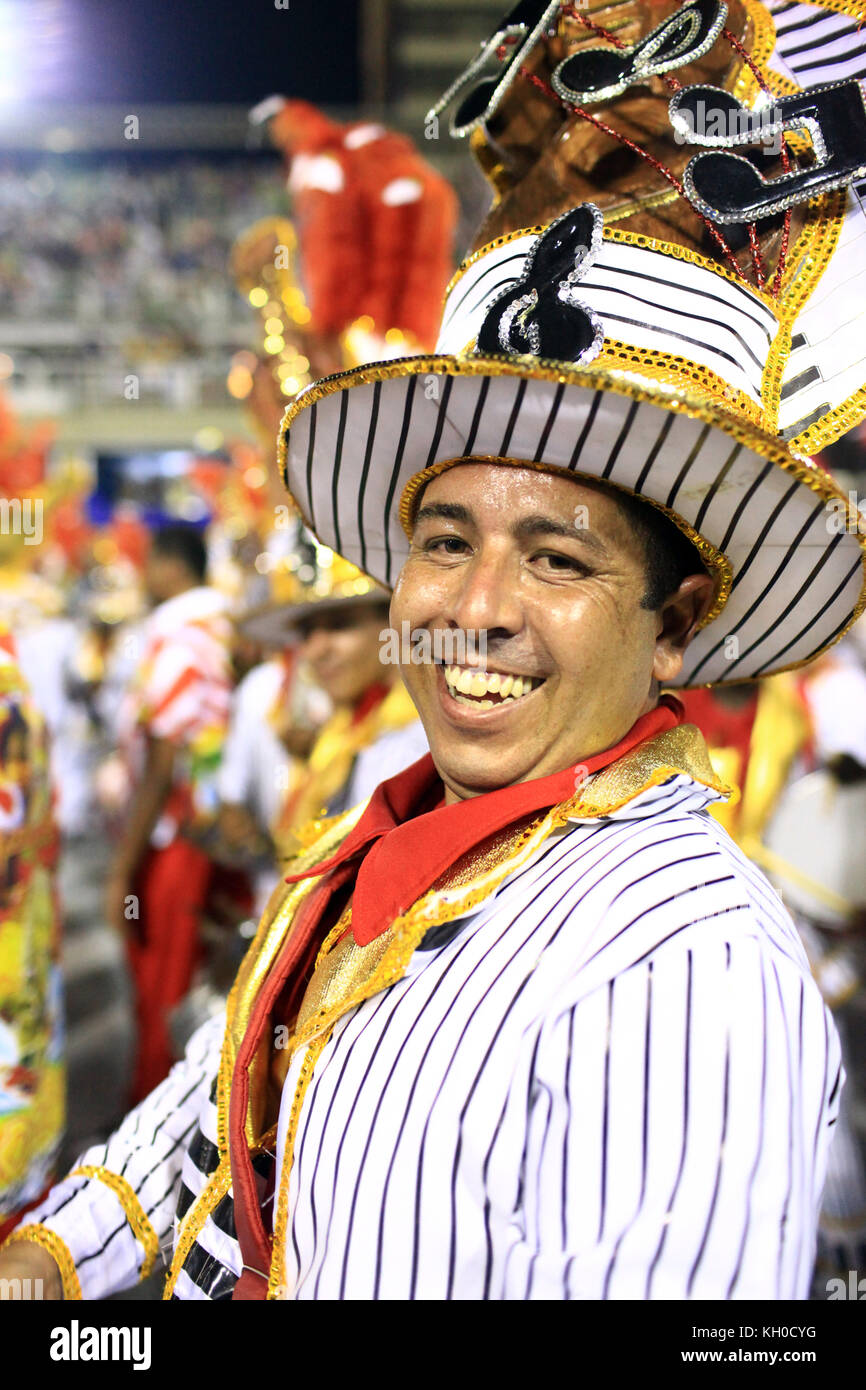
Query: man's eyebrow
<point>443,511</point>
<point>550,526</point>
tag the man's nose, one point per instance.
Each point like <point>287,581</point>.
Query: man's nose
<point>487,596</point>
<point>316,645</point>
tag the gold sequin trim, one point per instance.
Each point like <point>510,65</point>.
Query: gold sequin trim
<point>678,372</point>
<point>194,1221</point>
<point>59,1251</point>
<point>718,565</point>
<point>276,1281</point>
<point>133,1211</point>
<point>855,8</point>
<point>831,427</point>
<point>808,258</point>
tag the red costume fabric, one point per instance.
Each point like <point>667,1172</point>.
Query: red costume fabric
<point>394,261</point>
<point>171,887</point>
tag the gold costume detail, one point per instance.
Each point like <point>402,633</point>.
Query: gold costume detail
<point>132,1210</point>
<point>346,975</point>
<point>215,1189</point>
<point>59,1251</point>
<point>281,1216</point>
<point>329,764</point>
<point>717,564</point>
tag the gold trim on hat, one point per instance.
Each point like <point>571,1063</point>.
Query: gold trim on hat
<point>718,564</point>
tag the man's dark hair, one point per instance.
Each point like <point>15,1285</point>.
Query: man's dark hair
<point>669,555</point>
<point>184,543</point>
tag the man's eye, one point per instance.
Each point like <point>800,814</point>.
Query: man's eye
<point>445,545</point>
<point>555,562</point>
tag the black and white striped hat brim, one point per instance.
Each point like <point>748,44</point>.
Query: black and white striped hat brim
<point>276,624</point>
<point>782,542</point>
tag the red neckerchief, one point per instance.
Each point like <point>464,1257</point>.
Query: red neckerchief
<point>372,696</point>
<point>412,845</point>
<point>406,841</point>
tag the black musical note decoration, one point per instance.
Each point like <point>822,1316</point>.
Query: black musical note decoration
<point>541,314</point>
<point>728,188</point>
<point>520,29</point>
<point>602,73</point>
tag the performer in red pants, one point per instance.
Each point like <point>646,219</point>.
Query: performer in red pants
<point>177,717</point>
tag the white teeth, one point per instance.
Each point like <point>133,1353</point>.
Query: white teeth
<point>465,681</point>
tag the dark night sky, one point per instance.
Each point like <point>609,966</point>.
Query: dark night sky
<point>123,51</point>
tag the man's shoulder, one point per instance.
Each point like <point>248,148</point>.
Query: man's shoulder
<point>615,890</point>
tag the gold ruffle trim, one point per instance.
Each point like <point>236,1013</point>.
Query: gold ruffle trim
<point>58,1250</point>
<point>132,1209</point>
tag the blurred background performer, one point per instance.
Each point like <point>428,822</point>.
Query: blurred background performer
<point>32,1075</point>
<point>177,716</point>
<point>335,617</point>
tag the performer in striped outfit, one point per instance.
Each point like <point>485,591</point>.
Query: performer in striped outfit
<point>527,1024</point>
<point>175,720</point>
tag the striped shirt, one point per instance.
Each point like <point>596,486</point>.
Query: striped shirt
<point>181,692</point>
<point>613,1078</point>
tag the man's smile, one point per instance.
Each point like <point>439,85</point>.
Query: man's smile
<point>467,685</point>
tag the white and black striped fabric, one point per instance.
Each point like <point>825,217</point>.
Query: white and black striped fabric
<point>815,44</point>
<point>150,1151</point>
<point>615,1079</point>
<point>644,298</point>
<point>798,573</point>
<point>354,441</point>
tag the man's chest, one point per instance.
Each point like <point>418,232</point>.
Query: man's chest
<point>402,1131</point>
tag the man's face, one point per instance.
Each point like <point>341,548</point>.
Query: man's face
<point>551,571</point>
<point>342,647</point>
<point>165,576</point>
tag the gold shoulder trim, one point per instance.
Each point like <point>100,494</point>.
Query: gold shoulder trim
<point>680,750</point>
<point>132,1209</point>
<point>59,1251</point>
<point>276,923</point>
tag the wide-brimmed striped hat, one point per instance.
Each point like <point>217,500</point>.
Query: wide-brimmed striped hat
<point>311,578</point>
<point>630,334</point>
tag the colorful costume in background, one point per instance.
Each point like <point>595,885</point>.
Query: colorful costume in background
<point>182,694</point>
<point>32,1075</point>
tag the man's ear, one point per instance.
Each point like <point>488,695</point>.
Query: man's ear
<point>679,618</point>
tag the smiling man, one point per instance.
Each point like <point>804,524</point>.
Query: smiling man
<point>527,1024</point>
<point>579,626</point>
